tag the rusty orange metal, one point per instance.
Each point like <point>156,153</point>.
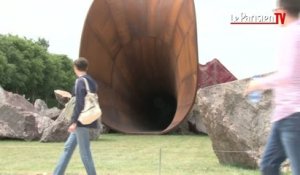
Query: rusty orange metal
<point>143,54</point>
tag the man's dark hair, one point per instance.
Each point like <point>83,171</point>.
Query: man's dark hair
<point>81,64</point>
<point>291,6</point>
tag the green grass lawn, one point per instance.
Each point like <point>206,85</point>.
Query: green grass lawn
<point>116,154</point>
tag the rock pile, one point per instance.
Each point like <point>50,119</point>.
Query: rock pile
<point>19,119</point>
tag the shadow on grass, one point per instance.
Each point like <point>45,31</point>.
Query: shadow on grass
<point>240,166</point>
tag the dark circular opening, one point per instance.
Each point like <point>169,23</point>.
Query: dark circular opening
<point>160,110</point>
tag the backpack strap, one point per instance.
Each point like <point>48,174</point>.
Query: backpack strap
<point>86,84</point>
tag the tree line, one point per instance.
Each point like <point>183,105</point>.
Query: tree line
<point>27,68</point>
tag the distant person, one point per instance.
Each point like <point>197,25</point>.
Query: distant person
<point>284,139</point>
<point>79,133</point>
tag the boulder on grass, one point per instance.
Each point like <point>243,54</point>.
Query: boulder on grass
<point>17,124</point>
<point>19,119</point>
<point>238,129</point>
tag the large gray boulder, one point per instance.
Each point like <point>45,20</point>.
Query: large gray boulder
<point>17,124</point>
<point>238,129</point>
<point>19,119</point>
<point>15,100</point>
<point>58,130</point>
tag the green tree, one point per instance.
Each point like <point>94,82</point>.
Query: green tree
<point>59,75</point>
<point>27,68</point>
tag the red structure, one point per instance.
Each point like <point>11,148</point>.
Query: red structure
<point>213,72</point>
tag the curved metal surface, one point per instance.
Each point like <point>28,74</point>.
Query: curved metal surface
<point>143,54</point>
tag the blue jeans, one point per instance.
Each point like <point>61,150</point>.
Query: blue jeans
<point>80,136</point>
<point>283,143</point>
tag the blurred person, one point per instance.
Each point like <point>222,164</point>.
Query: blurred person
<point>79,133</point>
<point>284,140</point>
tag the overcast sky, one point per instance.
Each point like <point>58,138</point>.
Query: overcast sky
<point>245,50</point>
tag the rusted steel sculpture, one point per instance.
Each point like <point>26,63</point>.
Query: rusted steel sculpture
<point>143,53</point>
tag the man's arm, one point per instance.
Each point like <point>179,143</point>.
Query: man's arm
<point>288,67</point>
<point>79,104</point>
